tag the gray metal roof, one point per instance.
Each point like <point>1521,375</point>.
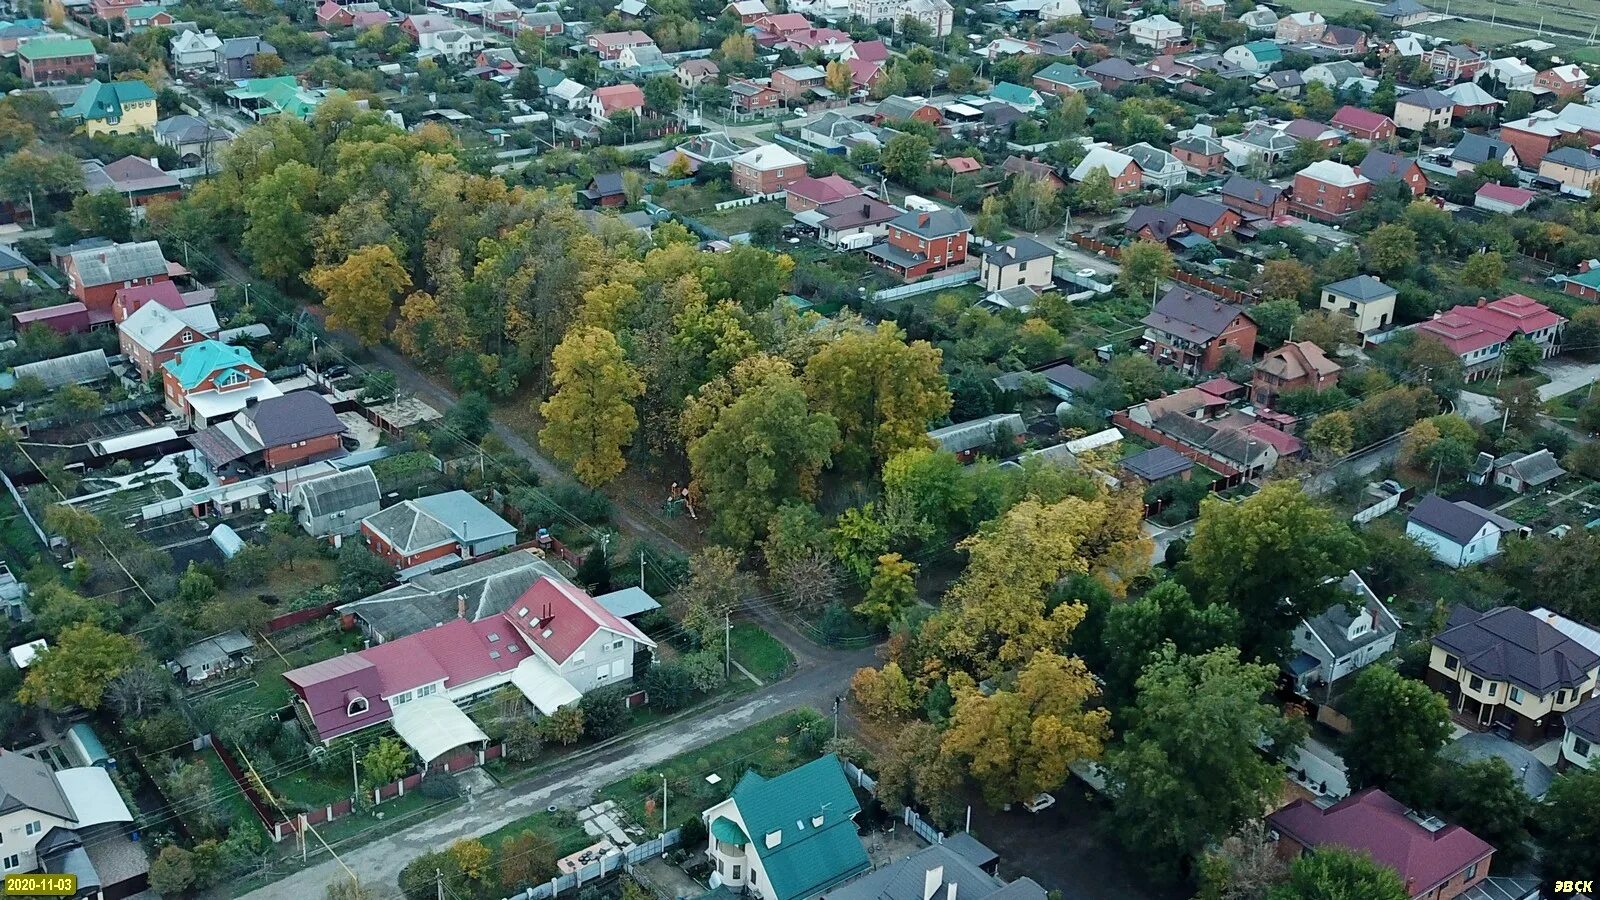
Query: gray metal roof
<point>119,262</point>
<point>26,783</point>
<point>1509,644</point>
<point>1070,377</point>
<point>1534,776</point>
<point>1477,148</point>
<point>1534,468</point>
<point>1157,463</point>
<point>1362,289</point>
<point>936,224</point>
<point>1018,249</point>
<point>1332,627</point>
<point>908,879</point>
<point>628,602</point>
<point>78,368</point>
<point>216,648</point>
<point>1460,522</point>
<point>488,588</point>
<point>339,492</point>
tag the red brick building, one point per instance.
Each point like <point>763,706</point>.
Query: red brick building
<point>1564,81</point>
<point>96,274</point>
<point>1207,218</point>
<point>418,531</point>
<point>44,61</point>
<point>1254,199</point>
<point>1296,366</point>
<point>271,435</point>
<point>752,97</point>
<point>610,44</point>
<point>1364,124</point>
<point>209,382</point>
<point>154,334</point>
<point>1379,167</point>
<point>809,193</point>
<point>793,82</point>
<point>1329,191</point>
<point>766,169</point>
<point>1193,331</point>
<point>1201,155</point>
<point>923,242</point>
<point>112,10</point>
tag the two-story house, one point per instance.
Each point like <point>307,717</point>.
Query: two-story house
<point>1296,366</point>
<point>1301,28</point>
<point>1329,191</point>
<point>1019,262</point>
<point>1123,171</point>
<point>43,811</point>
<point>194,50</point>
<point>451,525</point>
<point>271,435</point>
<point>1364,124</point>
<point>1207,218</point>
<point>1254,199</point>
<point>1421,110</point>
<point>1193,331</point>
<point>791,837</point>
<point>1456,62</point>
<point>612,99</point>
<point>1510,669</point>
<point>609,44</point>
<point>117,107</point>
<point>1343,639</point>
<point>49,60</point>
<point>211,381</point>
<point>1580,746</point>
<point>1382,167</point>
<point>923,242</point>
<point>553,644</point>
<point>1202,155</point>
<point>154,333</point>
<point>1366,301</point>
<point>237,57</point>
<point>334,505</point>
<point>96,274</point>
<point>1563,81</point>
<point>1157,32</point>
<point>767,169</point>
<point>1573,168</point>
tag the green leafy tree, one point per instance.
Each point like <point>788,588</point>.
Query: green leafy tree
<point>892,591</point>
<point>1520,356</point>
<point>1331,873</point>
<point>77,670</point>
<point>565,726</point>
<point>662,93</point>
<point>1569,829</point>
<point>881,390</point>
<point>590,418</point>
<point>934,485</point>
<point>1332,435</point>
<point>387,761</point>
<point>1275,320</point>
<point>1095,194</point>
<point>905,157</point>
<point>1486,798</point>
<point>1390,248</point>
<point>1484,270</point>
<point>172,871</point>
<point>1134,633</point>
<point>1145,265</point>
<point>279,210</point>
<point>1398,727</point>
<point>1188,771</point>
<point>103,213</point>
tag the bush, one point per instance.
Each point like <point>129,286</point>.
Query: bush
<point>692,833</point>
<point>669,686</point>
<point>605,712</point>
<point>593,507</point>
<point>524,741</point>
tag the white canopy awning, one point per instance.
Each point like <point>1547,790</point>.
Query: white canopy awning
<point>433,726</point>
<point>95,800</point>
<point>543,686</point>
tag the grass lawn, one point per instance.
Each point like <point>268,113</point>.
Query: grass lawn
<point>741,219</point>
<point>767,747</point>
<point>560,828</point>
<point>18,541</point>
<point>263,689</point>
<point>285,583</point>
<point>1566,405</point>
<point>226,792</point>
<point>760,652</point>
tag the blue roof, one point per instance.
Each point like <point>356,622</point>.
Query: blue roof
<point>194,364</point>
<point>100,100</point>
<point>459,509</point>
<point>810,811</point>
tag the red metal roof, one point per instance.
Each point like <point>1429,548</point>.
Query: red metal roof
<point>1364,119</point>
<point>559,618</point>
<point>1465,329</point>
<point>824,190</point>
<point>1504,194</point>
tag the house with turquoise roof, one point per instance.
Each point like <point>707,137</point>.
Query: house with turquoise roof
<point>115,107</point>
<point>1257,56</point>
<point>280,95</point>
<point>791,837</point>
<point>1024,99</point>
<point>1062,79</point>
<point>211,382</point>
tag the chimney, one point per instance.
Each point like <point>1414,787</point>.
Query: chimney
<point>461,606</point>
<point>866,210</point>
<point>952,894</point>
<point>250,402</point>
<point>1482,302</point>
<point>931,880</point>
<point>922,220</point>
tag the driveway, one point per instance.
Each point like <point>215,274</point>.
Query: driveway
<point>1566,376</point>
<point>1479,408</point>
<point>571,783</point>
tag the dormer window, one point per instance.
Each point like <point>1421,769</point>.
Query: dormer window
<point>356,706</point>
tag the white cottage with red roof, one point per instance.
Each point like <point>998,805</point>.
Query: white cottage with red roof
<point>554,644</point>
<point>1478,334</point>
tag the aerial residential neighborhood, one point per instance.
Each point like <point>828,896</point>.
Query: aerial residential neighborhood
<point>800,449</point>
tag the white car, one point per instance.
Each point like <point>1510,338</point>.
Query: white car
<point>1040,803</point>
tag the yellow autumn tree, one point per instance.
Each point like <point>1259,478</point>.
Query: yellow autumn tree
<point>1020,741</point>
<point>882,390</point>
<point>839,78</point>
<point>885,694</point>
<point>360,291</point>
<point>590,417</point>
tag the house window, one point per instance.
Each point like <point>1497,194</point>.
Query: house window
<point>736,868</point>
<point>357,707</point>
<point>1561,696</point>
<point>33,827</point>
<point>427,690</point>
<point>188,337</point>
<point>1580,747</point>
<point>13,861</point>
<point>400,698</point>
<point>617,644</point>
<point>579,656</point>
<point>603,673</point>
<point>1493,686</point>
<point>1515,694</point>
<point>1470,873</point>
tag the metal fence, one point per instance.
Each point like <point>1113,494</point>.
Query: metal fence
<point>601,868</point>
<point>921,826</point>
<point>925,287</point>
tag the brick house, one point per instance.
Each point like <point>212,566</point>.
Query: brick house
<point>1194,331</point>
<point>1019,262</point>
<point>610,44</point>
<point>923,242</point>
<point>1436,861</point>
<point>1254,199</point>
<point>809,193</point>
<point>795,81</point>
<point>1421,110</point>
<point>1201,155</point>
<point>94,275</point>
<point>750,96</point>
<point>1380,167</point>
<point>612,99</point>
<point>154,333</point>
<point>1456,62</point>
<point>112,10</point>
<point>419,531</point>
<point>1124,172</point>
<point>1564,81</point>
<point>44,61</point>
<point>767,169</point>
<point>271,435</point>
<point>1364,123</point>
<point>1115,73</point>
<point>1329,191</point>
<point>211,381</point>
<point>1477,334</point>
<point>1301,28</point>
<point>1207,218</point>
<point>1063,79</point>
<point>1296,366</point>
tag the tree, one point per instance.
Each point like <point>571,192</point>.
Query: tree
<point>738,48</point>
<point>1520,356</point>
<point>349,889</point>
<point>1331,873</point>
<point>564,726</point>
<point>360,291</point>
<point>139,690</point>
<point>1398,726</point>
<point>1275,320</point>
<point>1032,201</point>
<point>766,448</point>
<point>1145,265</point>
<point>361,572</point>
<point>882,392</point>
<point>884,694</point>
<point>934,485</point>
<point>892,591</point>
<point>605,712</point>
<point>526,860</point>
<point>905,157</point>
<point>102,212</point>
<point>1569,829</point>
<point>1095,194</point>
<point>386,762</point>
<point>1517,400</point>
<point>1484,270</point>
<point>594,573</point>
<point>590,418</point>
<point>77,670</point>
<point>1486,798</point>
<point>1017,743</point>
<point>1244,867</point>
<point>472,857</point>
<point>716,587</point>
<point>1332,435</point>
<point>1188,771</point>
<point>662,93</point>
<point>1326,330</point>
<point>278,209</point>
<point>1277,557</point>
<point>838,78</point>
<point>1284,279</point>
<point>1390,248</point>
<point>172,871</point>
<point>1134,633</point>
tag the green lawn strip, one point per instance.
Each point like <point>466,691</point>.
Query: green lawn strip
<point>559,828</point>
<point>226,791</point>
<point>757,650</point>
<point>766,747</point>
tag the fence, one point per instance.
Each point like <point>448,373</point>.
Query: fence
<point>1194,281</point>
<point>298,617</point>
<point>1121,420</point>
<point>924,287</point>
<point>602,867</point>
<point>750,201</point>
<point>1364,516</point>
<point>922,827</point>
<point>26,513</point>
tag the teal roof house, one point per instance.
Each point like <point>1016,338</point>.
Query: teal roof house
<point>790,837</point>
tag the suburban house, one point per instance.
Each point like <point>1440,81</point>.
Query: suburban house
<point>1158,169</point>
<point>135,178</point>
<point>1563,81</point>
<point>1344,638</point>
<point>553,644</point>
<point>271,435</point>
<point>1456,62</point>
<point>1404,13</point>
<point>1301,28</point>
<point>1019,262</point>
<point>1259,144</point>
<point>1477,334</point>
<point>212,656</point>
<point>791,837</point>
<point>1498,198</point>
<point>1207,218</point>
<point>55,60</point>
<point>475,591</point>
<point>1254,199</point>
<point>48,815</point>
<point>692,73</point>
<point>841,219</point>
<point>1435,861</point>
<point>961,866</point>
<point>795,81</point>
<point>1296,366</point>
<point>1194,331</point>
<point>211,381</point>
<point>1124,172</point>
<point>1421,110</point>
<point>607,101</point>
<point>1510,73</point>
<point>1472,100</point>
<point>810,193</point>
<point>96,274</point>
<point>1508,669</point>
<point>1158,464</point>
<point>1476,149</point>
<point>1063,79</point>
<point>605,190</point>
<point>154,333</point>
<point>767,169</point>
<point>236,58</point>
<point>117,107</point>
<point>1459,534</point>
<point>1157,32</point>
<point>1382,167</point>
<point>1115,73</point>
<point>1583,735</point>
<point>1201,155</point>
<point>450,526</point>
<point>191,50</point>
<point>1572,167</point>
<point>146,17</point>
<point>1364,123</point>
<point>1329,191</point>
<point>335,504</point>
<point>923,242</point>
<point>610,44</point>
<point>1368,302</point>
<point>1255,57</point>
<point>1516,471</point>
<point>279,95</point>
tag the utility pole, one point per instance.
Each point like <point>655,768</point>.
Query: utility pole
<point>355,781</point>
<point>727,641</point>
<point>641,570</point>
<point>663,803</point>
<point>836,717</point>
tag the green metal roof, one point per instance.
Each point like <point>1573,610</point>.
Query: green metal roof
<point>282,93</point>
<point>148,11</point>
<point>1065,73</point>
<point>1013,93</point>
<point>195,363</point>
<point>34,50</point>
<point>728,831</point>
<point>1265,51</point>
<point>809,857</point>
<point>103,100</point>
<point>1589,279</point>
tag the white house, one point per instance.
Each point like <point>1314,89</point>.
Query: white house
<point>1156,32</point>
<point>938,15</point>
<point>1510,73</point>
<point>1458,534</point>
<point>192,50</point>
<point>569,94</point>
<point>40,802</point>
<point>1343,639</point>
<point>452,44</point>
<point>1158,169</point>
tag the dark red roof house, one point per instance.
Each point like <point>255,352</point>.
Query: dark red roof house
<point>1364,123</point>
<point>809,193</point>
<point>1436,861</point>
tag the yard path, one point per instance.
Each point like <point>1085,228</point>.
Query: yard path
<point>571,783</point>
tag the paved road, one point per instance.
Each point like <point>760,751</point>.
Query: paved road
<point>570,785</point>
<point>1566,376</point>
